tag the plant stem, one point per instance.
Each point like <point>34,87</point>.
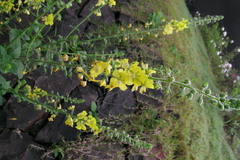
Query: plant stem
<point>186,86</point>
<point>76,27</point>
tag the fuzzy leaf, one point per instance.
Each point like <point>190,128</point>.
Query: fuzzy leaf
<point>93,107</point>
<point>16,45</point>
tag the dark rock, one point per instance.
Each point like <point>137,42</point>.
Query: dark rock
<point>58,83</point>
<point>57,130</point>
<point>152,98</point>
<point>21,115</point>
<point>118,102</point>
<point>13,143</point>
<point>2,120</point>
<point>36,152</point>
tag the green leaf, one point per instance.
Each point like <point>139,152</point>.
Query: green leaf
<point>93,107</point>
<point>5,84</point>
<point>16,42</point>
<point>17,69</point>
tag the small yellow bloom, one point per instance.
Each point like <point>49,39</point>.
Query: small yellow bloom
<point>80,76</point>
<point>55,69</point>
<point>101,2</point>
<point>12,119</point>
<point>48,19</point>
<point>52,117</point>
<point>65,57</point>
<point>81,115</point>
<point>112,3</point>
<point>136,29</point>
<point>83,83</point>
<point>81,126</point>
<point>39,107</point>
<point>24,72</point>
<point>91,122</point>
<point>27,12</point>
<point>69,121</point>
<point>19,20</point>
<point>121,28</point>
<point>59,107</point>
<point>98,13</point>
<point>75,58</point>
<point>129,26</point>
<point>168,29</point>
<point>72,107</point>
<point>79,69</point>
<point>125,38</point>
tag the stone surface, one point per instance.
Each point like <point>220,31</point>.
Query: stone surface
<point>118,102</point>
<point>153,98</point>
<point>57,83</point>
<point>13,143</point>
<point>21,115</point>
<point>57,130</point>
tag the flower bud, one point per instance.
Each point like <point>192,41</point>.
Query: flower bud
<point>79,69</point>
<point>83,83</point>
<point>200,100</point>
<point>187,81</point>
<point>208,92</point>
<point>205,85</point>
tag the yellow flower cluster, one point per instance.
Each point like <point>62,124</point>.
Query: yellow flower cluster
<point>82,120</point>
<point>36,4</point>
<point>175,25</point>
<point>48,20</point>
<point>35,93</point>
<point>122,74</point>
<point>6,6</point>
<point>104,2</point>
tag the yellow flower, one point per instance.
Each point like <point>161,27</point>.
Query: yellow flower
<point>72,107</point>
<point>138,75</point>
<point>181,25</point>
<point>81,115</point>
<point>120,79</point>
<point>80,76</point>
<point>69,121</point>
<point>168,29</point>
<point>112,3</point>
<point>65,57</point>
<point>81,126</point>
<point>83,83</point>
<point>98,13</point>
<point>6,6</point>
<point>114,82</point>
<point>91,122</point>
<point>52,117</point>
<point>59,106</point>
<point>101,2</point>
<point>48,19</point>
<point>79,69</point>
<point>96,130</point>
<point>99,67</point>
